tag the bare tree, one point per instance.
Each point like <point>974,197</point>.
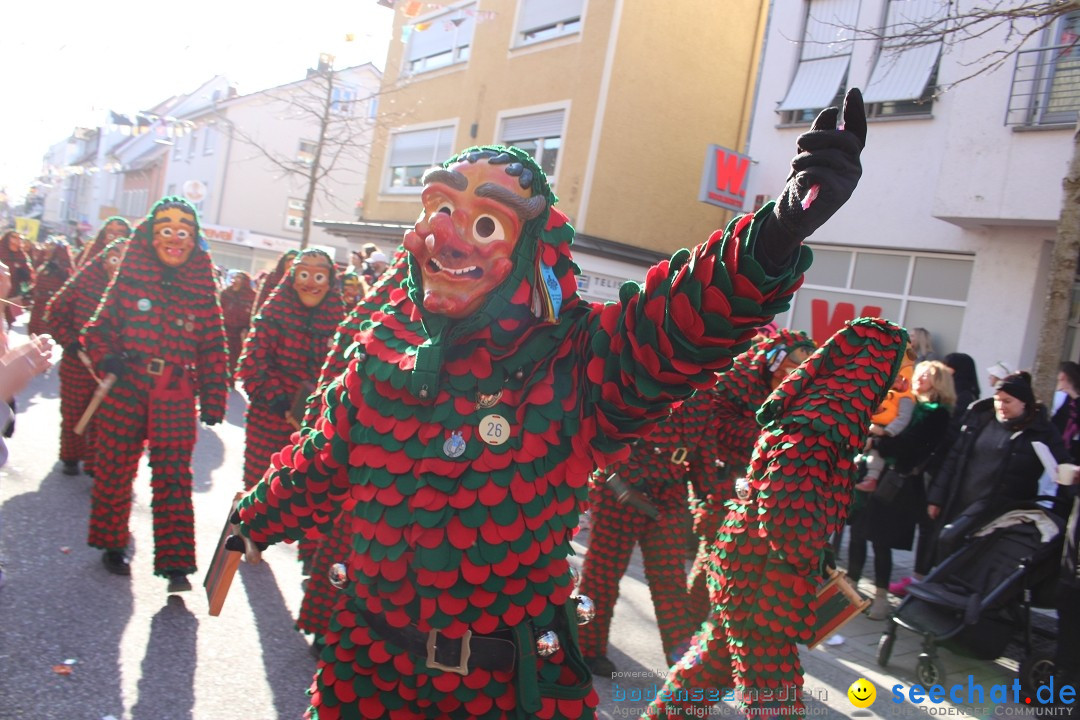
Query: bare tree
<point>1022,22</point>
<point>342,139</point>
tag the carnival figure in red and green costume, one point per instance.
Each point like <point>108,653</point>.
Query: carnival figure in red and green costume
<point>473,411</point>
<point>287,345</point>
<point>321,553</point>
<point>65,316</point>
<point>237,301</point>
<point>159,332</point>
<point>114,227</point>
<point>51,274</point>
<point>765,559</point>
<point>646,503</point>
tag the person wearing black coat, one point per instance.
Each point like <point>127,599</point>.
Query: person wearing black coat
<point>993,462</point>
<point>889,524</point>
<point>1067,417</point>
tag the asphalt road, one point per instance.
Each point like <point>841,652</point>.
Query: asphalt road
<point>77,643</point>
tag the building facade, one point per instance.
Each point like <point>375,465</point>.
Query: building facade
<point>952,224</point>
<point>620,102</point>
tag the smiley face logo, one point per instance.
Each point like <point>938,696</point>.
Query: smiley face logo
<point>862,693</point>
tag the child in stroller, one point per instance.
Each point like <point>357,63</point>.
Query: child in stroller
<point>974,600</point>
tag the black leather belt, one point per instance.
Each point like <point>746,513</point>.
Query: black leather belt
<point>472,651</point>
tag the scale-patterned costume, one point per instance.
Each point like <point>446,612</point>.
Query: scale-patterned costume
<point>236,305</point>
<point>69,310</point>
<point>51,275</point>
<point>95,246</point>
<point>163,326</point>
<point>282,355</point>
<point>659,467</point>
<point>453,534</point>
<point>321,552</point>
<point>737,397</point>
<point>764,564</point>
<point>270,281</point>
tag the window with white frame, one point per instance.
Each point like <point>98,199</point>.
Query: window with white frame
<point>1046,79</point>
<point>539,134</point>
<point>414,151</point>
<point>824,57</point>
<point>210,137</point>
<point>294,214</point>
<point>177,151</point>
<point>342,98</point>
<point>904,77</point>
<point>193,142</point>
<point>305,153</point>
<point>437,41</point>
<point>913,289</point>
<point>540,20</point>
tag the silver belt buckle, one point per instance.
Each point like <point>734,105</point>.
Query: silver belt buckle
<point>466,651</point>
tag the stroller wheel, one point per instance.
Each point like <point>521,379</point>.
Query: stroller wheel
<point>884,648</point>
<point>1036,669</point>
<point>930,670</point>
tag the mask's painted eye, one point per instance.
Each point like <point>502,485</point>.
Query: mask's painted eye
<point>320,278</point>
<point>166,232</point>
<point>302,275</point>
<point>488,229</point>
<point>446,208</point>
<point>114,260</point>
<point>183,234</point>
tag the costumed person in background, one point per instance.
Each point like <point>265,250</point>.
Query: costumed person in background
<point>69,310</point>
<point>22,274</point>
<point>765,563</point>
<point>237,301</point>
<point>474,410</point>
<point>737,397</point>
<point>352,289</point>
<point>269,282</point>
<point>114,227</point>
<point>895,414</point>
<point>51,275</point>
<point>319,554</point>
<point>287,345</point>
<point>646,503</point>
<point>159,332</point>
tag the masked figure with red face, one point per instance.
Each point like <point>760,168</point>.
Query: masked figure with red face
<point>160,333</point>
<point>51,274</point>
<point>472,413</point>
<point>320,553</point>
<point>236,303</point>
<point>352,289</point>
<point>282,355</point>
<point>65,315</point>
<point>114,227</point>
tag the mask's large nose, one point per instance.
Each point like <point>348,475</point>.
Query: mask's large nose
<point>445,238</point>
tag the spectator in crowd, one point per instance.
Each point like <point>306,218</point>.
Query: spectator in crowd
<point>923,344</point>
<point>374,266</point>
<point>1067,417</point>
<point>992,462</point>
<point>889,522</point>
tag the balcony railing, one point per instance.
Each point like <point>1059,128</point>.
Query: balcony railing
<point>1045,87</point>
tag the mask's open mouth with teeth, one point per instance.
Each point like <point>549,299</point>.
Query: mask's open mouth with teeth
<point>471,272</point>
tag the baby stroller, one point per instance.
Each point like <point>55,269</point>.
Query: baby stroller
<point>980,595</point>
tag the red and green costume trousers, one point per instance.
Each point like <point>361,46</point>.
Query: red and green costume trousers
<point>664,548</point>
<point>265,433</point>
<point>77,386</point>
<point>160,411</point>
<point>320,595</point>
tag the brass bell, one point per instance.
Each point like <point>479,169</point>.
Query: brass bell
<point>548,644</point>
<point>586,609</point>
<point>339,575</point>
<point>742,489</point>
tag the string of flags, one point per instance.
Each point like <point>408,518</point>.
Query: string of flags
<point>413,8</point>
<point>144,122</point>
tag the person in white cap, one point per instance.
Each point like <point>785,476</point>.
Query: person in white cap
<point>375,266</point>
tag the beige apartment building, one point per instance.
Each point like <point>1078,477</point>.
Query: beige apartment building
<point>621,102</point>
